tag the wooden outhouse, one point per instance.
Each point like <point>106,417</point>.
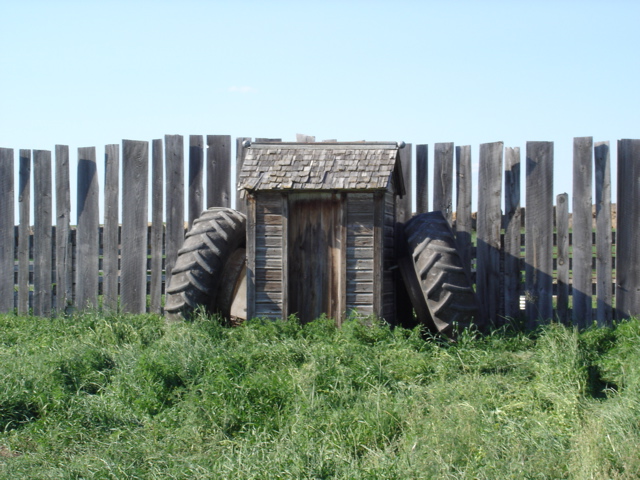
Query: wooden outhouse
<point>320,228</point>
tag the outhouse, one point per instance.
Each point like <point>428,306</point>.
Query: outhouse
<point>320,228</point>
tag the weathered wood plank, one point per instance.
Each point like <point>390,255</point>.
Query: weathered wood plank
<point>174,203</point>
<point>269,242</point>
<point>241,204</point>
<point>219,171</point>
<point>562,229</point>
<point>342,268</point>
<point>64,253</point>
<point>512,234</point>
<point>24,231</point>
<point>489,225</point>
<point>403,204</point>
<point>42,241</point>
<point>253,264</point>
<point>355,276</point>
<point>582,230</point>
<point>87,231</point>
<point>7,230</point>
<point>539,226</point>
<point>628,233</point>
<point>464,225</point>
<point>422,178</point>
<point>135,175</point>
<point>355,300</point>
<point>284,242</point>
<point>360,264</point>
<point>269,230</point>
<point>111,226</point>
<point>360,287</point>
<point>443,178</point>
<point>196,174</point>
<point>157,226</point>
<point>604,294</point>
<point>378,254</point>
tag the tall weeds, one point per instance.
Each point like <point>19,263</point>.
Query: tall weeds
<point>94,396</point>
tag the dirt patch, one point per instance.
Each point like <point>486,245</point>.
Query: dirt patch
<point>6,453</point>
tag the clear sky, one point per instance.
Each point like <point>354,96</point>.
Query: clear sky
<point>91,73</point>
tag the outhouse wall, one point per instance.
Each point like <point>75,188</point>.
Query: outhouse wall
<point>368,259</point>
<point>266,261</point>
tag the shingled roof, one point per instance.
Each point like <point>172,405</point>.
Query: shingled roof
<point>322,166</point>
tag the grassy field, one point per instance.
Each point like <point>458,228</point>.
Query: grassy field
<point>124,397</point>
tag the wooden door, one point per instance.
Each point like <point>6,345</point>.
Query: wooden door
<point>314,256</point>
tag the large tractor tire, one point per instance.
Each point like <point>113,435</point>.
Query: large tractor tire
<point>439,287</point>
<point>209,268</point>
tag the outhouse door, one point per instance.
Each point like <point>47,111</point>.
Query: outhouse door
<point>313,257</point>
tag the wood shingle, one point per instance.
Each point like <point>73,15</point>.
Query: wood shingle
<point>321,166</point>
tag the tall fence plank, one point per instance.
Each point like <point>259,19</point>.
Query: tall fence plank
<point>628,246</point>
<point>464,225</point>
<point>443,178</point>
<point>196,174</point>
<point>403,205</point>
<point>24,231</point>
<point>110,238</point>
<point>539,229</point>
<point>218,171</point>
<point>42,245</point>
<point>241,204</point>
<point>135,175</point>
<point>157,227</point>
<point>512,233</point>
<point>64,248</point>
<point>422,178</point>
<point>489,225</point>
<point>604,291</point>
<point>7,230</point>
<point>562,234</point>
<point>174,203</point>
<point>582,231</point>
<point>87,239</point>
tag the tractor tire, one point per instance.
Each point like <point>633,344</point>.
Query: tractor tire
<point>439,287</point>
<point>202,271</point>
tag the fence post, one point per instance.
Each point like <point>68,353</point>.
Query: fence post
<point>110,241</point>
<point>7,230</point>
<point>512,233</point>
<point>42,233</point>
<point>562,234</point>
<point>135,175</point>
<point>604,294</point>
<point>443,178</point>
<point>218,171</point>
<point>24,231</point>
<point>174,169</point>
<point>582,231</point>
<point>488,228</point>
<point>628,247</point>
<point>539,231</point>
<point>241,204</point>
<point>157,227</point>
<point>464,224</point>
<point>64,253</point>
<point>87,240</point>
<point>403,205</point>
<point>422,178</point>
<point>196,167</point>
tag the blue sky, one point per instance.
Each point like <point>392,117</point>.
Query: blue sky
<point>90,73</point>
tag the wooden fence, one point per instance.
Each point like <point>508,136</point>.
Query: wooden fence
<point>534,266</point>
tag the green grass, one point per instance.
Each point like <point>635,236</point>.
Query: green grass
<point>93,396</point>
